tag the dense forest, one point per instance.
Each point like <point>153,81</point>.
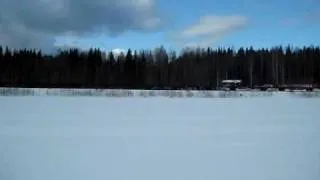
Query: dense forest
<point>159,69</point>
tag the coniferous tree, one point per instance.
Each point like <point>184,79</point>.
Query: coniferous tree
<point>192,68</point>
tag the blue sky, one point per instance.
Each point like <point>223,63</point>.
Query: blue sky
<point>146,24</point>
<point>266,24</point>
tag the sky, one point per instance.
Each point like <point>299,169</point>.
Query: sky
<point>147,24</point>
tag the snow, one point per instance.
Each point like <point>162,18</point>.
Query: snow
<point>244,93</point>
<point>81,138</point>
<point>231,81</point>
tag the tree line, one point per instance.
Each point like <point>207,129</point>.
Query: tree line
<point>200,68</point>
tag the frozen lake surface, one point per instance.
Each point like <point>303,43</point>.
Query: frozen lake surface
<point>94,138</point>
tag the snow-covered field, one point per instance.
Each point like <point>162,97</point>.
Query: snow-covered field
<point>244,93</point>
<point>95,138</point>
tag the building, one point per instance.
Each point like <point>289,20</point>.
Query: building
<point>231,84</point>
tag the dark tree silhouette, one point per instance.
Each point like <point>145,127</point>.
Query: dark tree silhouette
<point>159,69</point>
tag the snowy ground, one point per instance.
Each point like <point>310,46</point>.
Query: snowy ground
<point>94,138</point>
<point>243,93</point>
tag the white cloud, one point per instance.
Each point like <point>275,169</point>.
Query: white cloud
<point>214,26</point>
<point>118,51</point>
<point>209,29</point>
<point>36,23</point>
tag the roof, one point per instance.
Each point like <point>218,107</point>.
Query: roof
<point>231,81</point>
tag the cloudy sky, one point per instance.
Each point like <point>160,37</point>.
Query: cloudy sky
<point>139,24</point>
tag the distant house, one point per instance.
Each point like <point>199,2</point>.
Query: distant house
<point>231,84</point>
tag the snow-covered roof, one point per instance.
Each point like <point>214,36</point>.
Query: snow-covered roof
<point>231,81</point>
